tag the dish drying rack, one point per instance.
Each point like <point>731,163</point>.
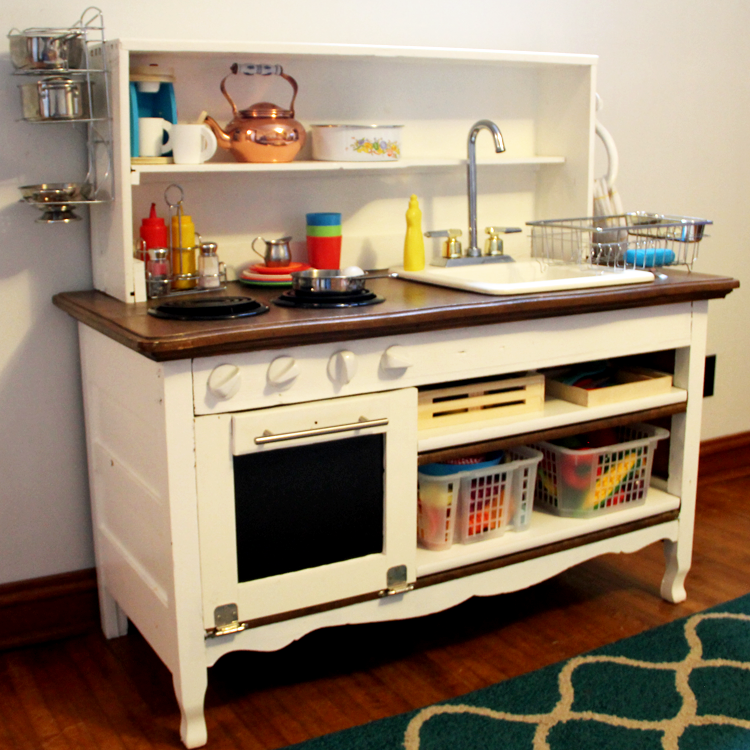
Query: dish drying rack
<point>57,201</point>
<point>636,240</point>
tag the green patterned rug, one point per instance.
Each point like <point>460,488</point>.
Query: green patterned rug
<point>681,686</point>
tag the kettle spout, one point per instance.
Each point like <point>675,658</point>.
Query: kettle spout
<point>222,138</point>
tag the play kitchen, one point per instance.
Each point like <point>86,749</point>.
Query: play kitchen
<point>420,421</point>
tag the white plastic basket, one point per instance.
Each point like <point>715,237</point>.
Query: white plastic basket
<point>500,497</point>
<point>476,504</point>
<point>593,481</point>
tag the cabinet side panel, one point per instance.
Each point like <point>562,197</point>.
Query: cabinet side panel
<point>111,224</point>
<point>127,436</point>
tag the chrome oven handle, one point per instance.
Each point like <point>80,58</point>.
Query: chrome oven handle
<point>269,437</point>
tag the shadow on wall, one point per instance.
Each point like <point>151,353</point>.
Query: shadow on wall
<point>44,512</point>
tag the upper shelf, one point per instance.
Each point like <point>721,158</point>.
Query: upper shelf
<point>155,172</point>
<point>200,47</point>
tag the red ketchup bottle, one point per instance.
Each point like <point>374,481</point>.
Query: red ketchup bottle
<point>153,234</point>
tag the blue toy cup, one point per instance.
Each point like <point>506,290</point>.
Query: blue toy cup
<point>323,219</point>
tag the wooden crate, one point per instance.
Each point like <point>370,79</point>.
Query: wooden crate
<point>631,383</point>
<point>474,402</point>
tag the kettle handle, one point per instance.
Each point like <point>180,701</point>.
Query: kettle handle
<point>251,69</point>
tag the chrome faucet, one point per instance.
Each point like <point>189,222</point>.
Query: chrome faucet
<point>473,250</point>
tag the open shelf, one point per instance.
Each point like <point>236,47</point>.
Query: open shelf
<point>154,172</point>
<point>544,529</point>
<point>556,414</point>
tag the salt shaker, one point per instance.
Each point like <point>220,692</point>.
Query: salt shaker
<point>158,272</point>
<point>208,267</point>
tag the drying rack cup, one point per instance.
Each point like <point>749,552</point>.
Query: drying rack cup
<point>637,240</point>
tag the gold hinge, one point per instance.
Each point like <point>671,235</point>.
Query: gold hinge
<point>226,621</point>
<point>396,582</point>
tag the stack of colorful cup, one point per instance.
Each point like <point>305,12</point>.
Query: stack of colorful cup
<point>324,240</point>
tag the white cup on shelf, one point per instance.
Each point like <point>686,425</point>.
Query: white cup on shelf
<point>151,136</point>
<point>190,143</point>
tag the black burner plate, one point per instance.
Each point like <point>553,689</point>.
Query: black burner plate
<point>214,308</point>
<point>313,300</point>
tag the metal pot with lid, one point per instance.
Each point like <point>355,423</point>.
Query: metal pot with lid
<point>46,49</point>
<point>54,99</point>
<point>264,132</point>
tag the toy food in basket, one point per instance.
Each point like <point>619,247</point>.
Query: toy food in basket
<point>598,472</point>
<point>476,501</point>
<point>437,498</point>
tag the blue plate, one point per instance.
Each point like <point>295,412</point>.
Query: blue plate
<point>445,470</point>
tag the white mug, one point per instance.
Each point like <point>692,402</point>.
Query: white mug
<point>191,143</point>
<point>151,136</point>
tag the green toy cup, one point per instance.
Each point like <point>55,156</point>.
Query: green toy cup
<point>323,231</point>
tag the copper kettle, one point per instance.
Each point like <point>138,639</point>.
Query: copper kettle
<point>264,132</point>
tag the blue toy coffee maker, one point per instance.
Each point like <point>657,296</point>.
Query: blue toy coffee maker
<point>151,95</point>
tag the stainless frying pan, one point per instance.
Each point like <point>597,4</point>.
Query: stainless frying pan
<point>325,280</point>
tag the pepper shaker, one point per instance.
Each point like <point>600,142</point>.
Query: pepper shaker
<point>158,272</point>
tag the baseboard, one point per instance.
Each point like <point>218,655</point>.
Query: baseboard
<point>49,608</point>
<point>46,609</point>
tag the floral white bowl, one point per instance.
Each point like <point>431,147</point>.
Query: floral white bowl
<point>356,142</point>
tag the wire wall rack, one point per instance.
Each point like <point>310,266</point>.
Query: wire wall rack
<point>72,54</point>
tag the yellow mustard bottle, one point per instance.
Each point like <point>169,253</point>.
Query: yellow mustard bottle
<point>183,252</point>
<point>414,242</point>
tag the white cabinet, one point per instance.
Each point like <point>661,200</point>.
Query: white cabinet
<point>543,103</point>
<point>161,447</point>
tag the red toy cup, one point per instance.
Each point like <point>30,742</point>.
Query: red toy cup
<point>324,252</point>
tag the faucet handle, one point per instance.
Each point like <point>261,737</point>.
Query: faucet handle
<point>493,244</point>
<point>502,230</point>
<point>452,245</point>
<point>443,233</point>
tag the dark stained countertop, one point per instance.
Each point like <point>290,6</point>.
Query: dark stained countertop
<point>409,307</point>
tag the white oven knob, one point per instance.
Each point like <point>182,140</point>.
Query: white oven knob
<point>395,358</point>
<point>342,367</point>
<point>224,381</point>
<point>283,371</point>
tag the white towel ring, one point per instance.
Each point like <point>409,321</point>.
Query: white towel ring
<point>611,149</point>
<point>613,166</point>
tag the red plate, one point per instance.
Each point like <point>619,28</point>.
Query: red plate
<point>283,270</point>
<point>249,275</point>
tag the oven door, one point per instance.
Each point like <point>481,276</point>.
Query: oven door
<point>306,504</point>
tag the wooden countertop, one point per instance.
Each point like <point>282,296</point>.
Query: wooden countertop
<point>408,308</point>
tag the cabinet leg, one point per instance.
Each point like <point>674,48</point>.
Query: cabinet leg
<point>190,691</point>
<point>678,565</point>
<point>114,620</point>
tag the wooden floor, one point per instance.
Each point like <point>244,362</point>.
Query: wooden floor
<point>85,692</point>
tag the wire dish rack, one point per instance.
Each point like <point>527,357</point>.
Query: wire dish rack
<point>630,240</point>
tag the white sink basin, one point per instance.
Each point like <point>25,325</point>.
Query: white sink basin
<point>522,277</point>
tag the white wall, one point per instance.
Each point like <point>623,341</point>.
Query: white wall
<point>674,78</point>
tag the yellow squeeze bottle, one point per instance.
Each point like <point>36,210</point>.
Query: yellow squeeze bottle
<point>414,242</point>
<point>183,251</point>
